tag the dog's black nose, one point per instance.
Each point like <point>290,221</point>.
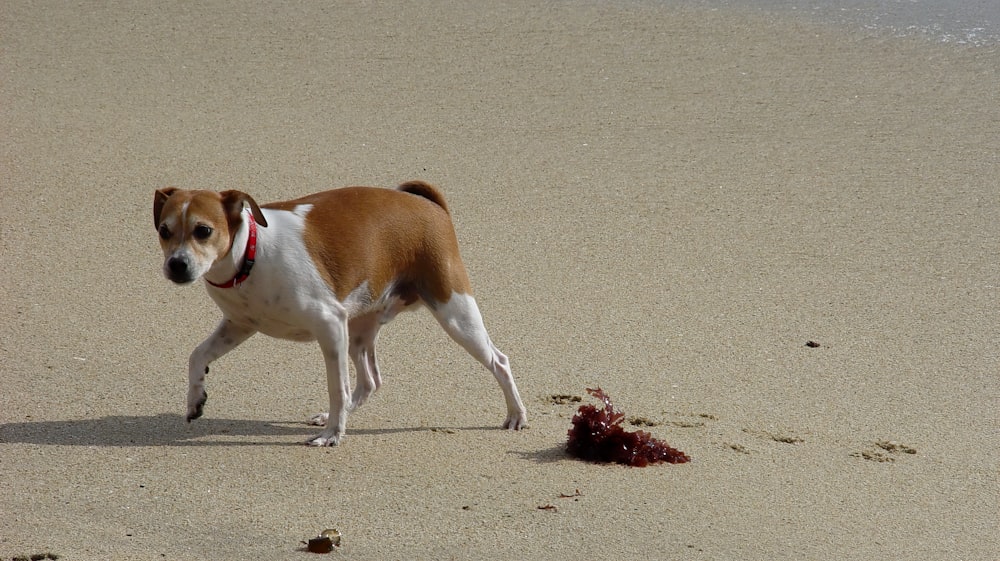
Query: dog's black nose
<point>178,270</point>
<point>178,267</point>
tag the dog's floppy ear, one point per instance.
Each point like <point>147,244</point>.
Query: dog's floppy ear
<point>159,199</point>
<point>234,201</point>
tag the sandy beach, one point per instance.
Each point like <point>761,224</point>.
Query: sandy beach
<point>664,202</point>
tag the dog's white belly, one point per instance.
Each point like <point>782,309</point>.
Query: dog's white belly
<point>282,330</point>
<point>268,315</point>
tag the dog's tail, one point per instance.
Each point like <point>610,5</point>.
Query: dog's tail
<point>425,190</point>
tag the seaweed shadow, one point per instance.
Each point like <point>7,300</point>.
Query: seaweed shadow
<point>550,455</point>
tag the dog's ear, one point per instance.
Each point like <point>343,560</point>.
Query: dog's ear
<point>159,199</point>
<point>234,202</point>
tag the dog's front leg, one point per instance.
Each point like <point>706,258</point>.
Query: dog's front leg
<point>226,337</point>
<point>332,337</point>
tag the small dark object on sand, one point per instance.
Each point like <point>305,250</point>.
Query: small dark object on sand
<point>597,436</point>
<point>812,344</point>
<point>320,544</point>
<point>325,542</point>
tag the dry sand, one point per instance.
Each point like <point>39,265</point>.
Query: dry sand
<point>667,203</point>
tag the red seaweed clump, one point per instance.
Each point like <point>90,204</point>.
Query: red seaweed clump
<point>597,436</point>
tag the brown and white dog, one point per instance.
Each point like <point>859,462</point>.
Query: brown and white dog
<point>332,267</point>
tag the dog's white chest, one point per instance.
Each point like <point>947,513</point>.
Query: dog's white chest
<point>281,296</point>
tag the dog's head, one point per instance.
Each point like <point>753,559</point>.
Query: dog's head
<point>197,228</point>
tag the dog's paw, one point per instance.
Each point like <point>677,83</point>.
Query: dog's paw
<point>325,440</point>
<point>360,396</point>
<point>318,420</point>
<point>516,421</point>
<point>197,408</point>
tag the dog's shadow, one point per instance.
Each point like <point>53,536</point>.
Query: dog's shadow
<point>169,429</point>
<point>157,430</point>
<point>162,430</point>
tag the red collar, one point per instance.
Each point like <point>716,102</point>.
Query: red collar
<point>248,258</point>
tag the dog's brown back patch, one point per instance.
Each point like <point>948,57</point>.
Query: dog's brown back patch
<point>359,234</point>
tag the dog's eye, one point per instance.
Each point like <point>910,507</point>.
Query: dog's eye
<point>202,232</point>
<point>164,232</point>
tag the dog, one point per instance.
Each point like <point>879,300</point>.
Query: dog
<point>331,267</point>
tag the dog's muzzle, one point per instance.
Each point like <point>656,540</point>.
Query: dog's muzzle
<point>178,270</point>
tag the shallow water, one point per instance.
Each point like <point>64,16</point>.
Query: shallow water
<point>961,22</point>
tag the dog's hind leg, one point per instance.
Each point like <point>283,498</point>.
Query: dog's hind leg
<point>226,337</point>
<point>461,319</point>
<point>363,332</point>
